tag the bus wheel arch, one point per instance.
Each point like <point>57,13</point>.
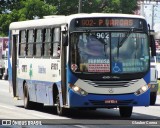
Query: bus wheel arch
<point>55,93</point>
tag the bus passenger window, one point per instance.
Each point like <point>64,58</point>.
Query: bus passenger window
<point>38,43</point>
<point>22,44</point>
<point>47,42</point>
<point>30,43</point>
<point>56,42</point>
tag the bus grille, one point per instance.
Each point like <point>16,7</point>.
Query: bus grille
<point>113,84</point>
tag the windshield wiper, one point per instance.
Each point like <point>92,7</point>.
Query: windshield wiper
<point>120,43</point>
<point>125,37</point>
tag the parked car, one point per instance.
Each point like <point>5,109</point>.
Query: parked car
<point>154,81</point>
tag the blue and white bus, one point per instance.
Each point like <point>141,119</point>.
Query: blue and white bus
<point>84,61</point>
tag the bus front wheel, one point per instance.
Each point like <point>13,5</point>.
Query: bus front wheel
<point>125,111</point>
<point>60,110</point>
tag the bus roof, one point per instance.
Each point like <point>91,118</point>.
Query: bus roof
<point>64,20</point>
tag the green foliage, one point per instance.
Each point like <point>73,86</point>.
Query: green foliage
<point>36,8</point>
<point>120,6</point>
<point>24,10</point>
<point>19,10</point>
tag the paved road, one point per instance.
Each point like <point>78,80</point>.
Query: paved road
<point>14,110</point>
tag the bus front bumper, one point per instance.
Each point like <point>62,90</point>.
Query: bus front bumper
<point>102,101</point>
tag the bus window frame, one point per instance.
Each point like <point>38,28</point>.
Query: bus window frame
<point>20,44</point>
<point>56,43</point>
<point>47,43</point>
<point>29,43</point>
<point>38,43</point>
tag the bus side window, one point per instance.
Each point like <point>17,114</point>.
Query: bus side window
<point>22,43</point>
<point>38,43</point>
<point>47,42</point>
<point>30,42</point>
<point>56,42</point>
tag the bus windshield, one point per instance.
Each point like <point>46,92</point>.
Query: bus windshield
<point>158,56</point>
<point>109,52</point>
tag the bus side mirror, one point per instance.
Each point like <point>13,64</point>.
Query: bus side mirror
<point>65,39</point>
<point>152,45</point>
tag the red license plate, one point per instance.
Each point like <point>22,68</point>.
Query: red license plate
<point>111,101</point>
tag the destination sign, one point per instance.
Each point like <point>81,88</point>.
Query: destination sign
<point>109,22</point>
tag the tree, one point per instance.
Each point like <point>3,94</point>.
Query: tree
<point>66,7</point>
<point>36,8</point>
<point>2,6</point>
<point>120,6</point>
<point>24,10</point>
<point>18,10</point>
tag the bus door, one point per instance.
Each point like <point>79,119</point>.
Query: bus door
<point>63,66</point>
<point>14,62</point>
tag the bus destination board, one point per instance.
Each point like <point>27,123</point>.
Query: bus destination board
<point>109,22</point>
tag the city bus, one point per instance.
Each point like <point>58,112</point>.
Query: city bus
<point>81,61</point>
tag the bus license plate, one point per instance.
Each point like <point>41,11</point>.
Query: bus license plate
<point>111,101</point>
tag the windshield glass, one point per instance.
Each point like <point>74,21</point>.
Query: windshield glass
<point>158,56</point>
<point>109,52</point>
<point>152,59</point>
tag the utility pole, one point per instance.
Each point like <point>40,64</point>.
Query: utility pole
<point>80,6</point>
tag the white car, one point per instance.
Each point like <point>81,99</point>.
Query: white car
<point>154,82</point>
<point>158,62</point>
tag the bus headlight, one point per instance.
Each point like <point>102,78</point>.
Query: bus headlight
<point>143,89</point>
<point>78,90</point>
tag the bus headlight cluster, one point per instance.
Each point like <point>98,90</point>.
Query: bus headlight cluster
<point>78,90</point>
<point>143,89</point>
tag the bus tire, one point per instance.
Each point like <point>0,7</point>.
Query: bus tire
<point>6,77</point>
<point>27,104</point>
<point>1,77</point>
<point>153,97</point>
<point>60,110</point>
<point>125,111</point>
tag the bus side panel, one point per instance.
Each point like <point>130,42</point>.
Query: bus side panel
<point>43,92</point>
<point>40,78</point>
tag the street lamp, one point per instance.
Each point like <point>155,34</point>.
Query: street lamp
<point>80,6</point>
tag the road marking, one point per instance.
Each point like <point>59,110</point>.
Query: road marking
<point>38,115</point>
<point>8,107</point>
<point>4,90</point>
<point>80,126</point>
<point>46,116</point>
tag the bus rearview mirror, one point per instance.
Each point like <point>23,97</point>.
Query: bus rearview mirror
<point>152,45</point>
<point>65,40</point>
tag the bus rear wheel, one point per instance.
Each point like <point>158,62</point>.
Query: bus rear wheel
<point>27,104</point>
<point>125,111</point>
<point>60,110</point>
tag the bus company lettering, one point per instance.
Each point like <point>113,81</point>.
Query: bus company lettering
<point>98,61</point>
<point>54,66</point>
<point>41,69</point>
<point>24,68</point>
